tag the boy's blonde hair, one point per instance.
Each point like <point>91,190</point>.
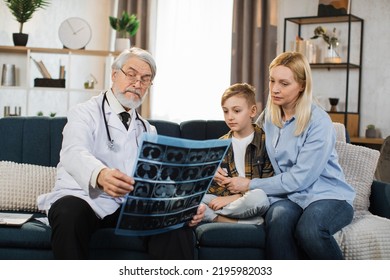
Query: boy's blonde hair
<point>242,90</point>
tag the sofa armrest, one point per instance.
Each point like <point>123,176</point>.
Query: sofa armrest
<point>380,199</point>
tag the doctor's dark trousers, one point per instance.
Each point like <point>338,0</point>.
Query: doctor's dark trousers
<point>73,223</point>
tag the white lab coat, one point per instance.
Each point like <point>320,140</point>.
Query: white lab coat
<point>85,148</point>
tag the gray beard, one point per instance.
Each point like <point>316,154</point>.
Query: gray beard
<point>132,103</point>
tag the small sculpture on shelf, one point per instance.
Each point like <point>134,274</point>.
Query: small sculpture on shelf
<point>90,82</point>
<point>17,112</point>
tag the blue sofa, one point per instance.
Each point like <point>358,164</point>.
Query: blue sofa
<point>37,141</point>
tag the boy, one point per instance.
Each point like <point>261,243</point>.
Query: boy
<point>246,157</point>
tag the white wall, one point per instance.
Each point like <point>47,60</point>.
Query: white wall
<point>43,27</point>
<point>43,32</point>
<point>375,93</point>
<point>375,108</point>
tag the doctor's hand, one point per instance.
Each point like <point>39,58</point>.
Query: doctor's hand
<point>199,216</point>
<point>115,182</point>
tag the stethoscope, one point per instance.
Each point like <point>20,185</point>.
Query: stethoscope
<point>110,142</point>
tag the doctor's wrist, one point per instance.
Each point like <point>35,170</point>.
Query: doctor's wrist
<point>97,184</point>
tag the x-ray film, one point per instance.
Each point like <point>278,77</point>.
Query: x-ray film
<point>171,177</point>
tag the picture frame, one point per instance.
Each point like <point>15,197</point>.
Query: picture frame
<point>334,7</point>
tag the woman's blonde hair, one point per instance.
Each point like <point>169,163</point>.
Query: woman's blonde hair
<point>300,68</point>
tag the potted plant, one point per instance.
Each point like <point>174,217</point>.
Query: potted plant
<point>370,131</point>
<point>126,26</point>
<point>331,40</point>
<point>23,11</point>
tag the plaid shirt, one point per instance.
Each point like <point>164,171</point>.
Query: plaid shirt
<point>257,163</point>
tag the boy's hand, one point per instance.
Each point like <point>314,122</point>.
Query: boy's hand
<point>220,176</point>
<point>199,216</point>
<point>221,201</point>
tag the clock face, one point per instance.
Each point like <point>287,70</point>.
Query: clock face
<point>75,33</point>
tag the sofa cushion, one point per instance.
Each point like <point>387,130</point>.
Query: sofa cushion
<point>21,183</point>
<point>340,132</point>
<point>382,170</point>
<point>32,241</point>
<point>33,234</point>
<point>33,140</point>
<point>166,128</point>
<point>230,234</point>
<point>380,199</point>
<point>203,129</point>
<point>222,241</point>
<point>365,238</point>
<point>359,164</point>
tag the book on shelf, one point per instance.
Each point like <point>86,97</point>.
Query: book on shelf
<point>42,68</point>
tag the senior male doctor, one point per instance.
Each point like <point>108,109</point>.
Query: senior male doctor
<point>99,149</point>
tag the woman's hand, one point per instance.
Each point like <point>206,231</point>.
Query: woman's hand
<point>237,184</point>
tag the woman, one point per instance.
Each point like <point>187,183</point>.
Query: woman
<point>310,199</point>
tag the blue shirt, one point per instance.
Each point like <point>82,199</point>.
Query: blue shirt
<point>306,166</point>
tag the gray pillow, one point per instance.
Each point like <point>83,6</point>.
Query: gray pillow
<point>21,184</point>
<point>359,164</point>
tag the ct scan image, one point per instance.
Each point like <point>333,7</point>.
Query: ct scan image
<point>170,182</point>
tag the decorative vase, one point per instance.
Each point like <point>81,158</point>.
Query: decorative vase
<point>370,133</point>
<point>332,55</point>
<point>122,44</point>
<point>20,39</point>
<point>333,104</point>
<point>8,75</point>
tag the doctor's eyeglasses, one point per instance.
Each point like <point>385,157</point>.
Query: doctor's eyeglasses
<point>131,77</point>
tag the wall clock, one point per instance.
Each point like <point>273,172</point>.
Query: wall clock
<point>75,33</point>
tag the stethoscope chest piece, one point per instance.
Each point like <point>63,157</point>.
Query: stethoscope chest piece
<point>110,142</point>
<point>111,145</point>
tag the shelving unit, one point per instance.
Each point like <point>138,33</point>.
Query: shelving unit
<point>373,143</point>
<point>348,116</point>
<point>79,65</point>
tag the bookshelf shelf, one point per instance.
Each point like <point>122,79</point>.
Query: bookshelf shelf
<point>78,67</point>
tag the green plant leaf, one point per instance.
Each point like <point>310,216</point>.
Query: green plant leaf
<point>23,10</point>
<point>125,24</point>
<point>113,22</point>
<point>331,40</point>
